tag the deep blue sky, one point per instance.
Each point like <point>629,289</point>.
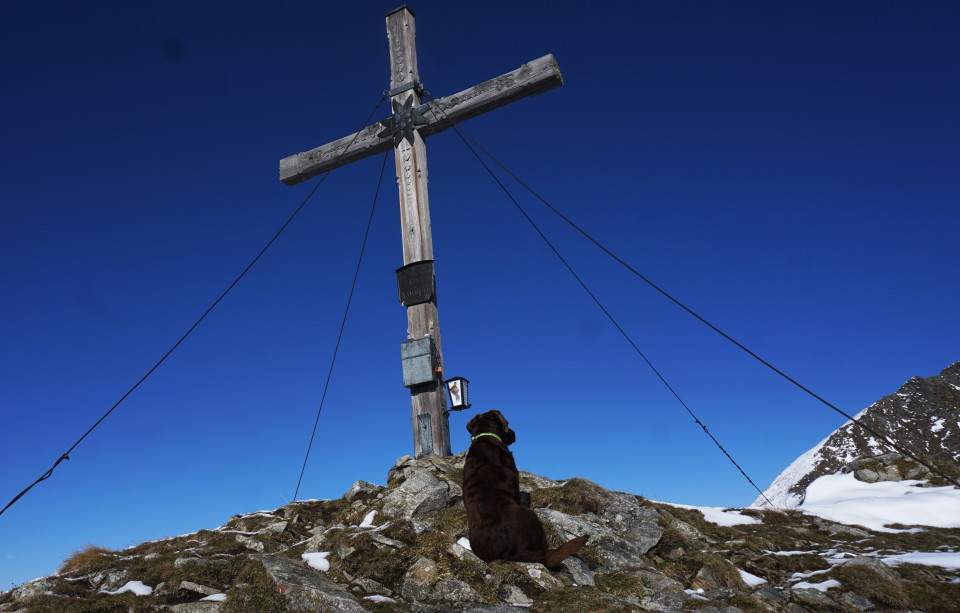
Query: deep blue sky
<point>788,170</point>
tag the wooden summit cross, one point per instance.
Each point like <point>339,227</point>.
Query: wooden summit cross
<point>404,133</point>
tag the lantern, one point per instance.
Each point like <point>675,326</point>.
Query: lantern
<point>457,386</point>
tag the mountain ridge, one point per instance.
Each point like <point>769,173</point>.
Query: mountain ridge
<point>919,408</point>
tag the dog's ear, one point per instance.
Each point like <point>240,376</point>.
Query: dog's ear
<point>507,435</point>
<point>472,424</point>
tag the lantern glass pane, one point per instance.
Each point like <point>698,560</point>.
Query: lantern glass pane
<point>457,397</point>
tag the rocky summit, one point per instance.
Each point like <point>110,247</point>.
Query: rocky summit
<point>402,547</point>
<point>922,417</point>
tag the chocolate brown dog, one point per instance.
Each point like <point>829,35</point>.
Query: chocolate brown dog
<point>500,529</point>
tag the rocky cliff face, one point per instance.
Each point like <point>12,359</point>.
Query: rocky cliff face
<point>923,417</point>
<point>401,547</point>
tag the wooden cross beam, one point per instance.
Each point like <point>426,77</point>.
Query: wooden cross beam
<point>532,78</point>
<point>404,133</point>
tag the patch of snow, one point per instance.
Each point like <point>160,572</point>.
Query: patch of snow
<point>381,527</point>
<point>137,587</point>
<point>837,558</point>
<point>799,576</point>
<point>750,579</point>
<point>787,553</point>
<point>216,597</point>
<point>821,587</point>
<point>464,542</point>
<point>317,560</point>
<point>379,598</point>
<point>368,520</point>
<point>944,559</point>
<point>720,515</point>
<point>844,499</point>
<point>696,594</point>
<point>937,425</point>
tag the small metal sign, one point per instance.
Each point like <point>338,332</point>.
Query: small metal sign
<point>416,283</point>
<point>419,359</point>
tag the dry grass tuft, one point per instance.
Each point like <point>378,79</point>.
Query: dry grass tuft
<point>575,497</point>
<point>621,585</point>
<point>254,591</point>
<point>723,571</point>
<point>89,559</point>
<point>948,468</point>
<point>584,599</point>
<point>874,586</point>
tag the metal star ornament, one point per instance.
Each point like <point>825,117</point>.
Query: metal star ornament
<point>404,121</point>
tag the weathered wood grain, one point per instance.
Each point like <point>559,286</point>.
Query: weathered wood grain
<point>540,75</point>
<point>429,402</point>
<point>536,77</point>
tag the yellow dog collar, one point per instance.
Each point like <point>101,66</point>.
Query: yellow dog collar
<point>486,434</point>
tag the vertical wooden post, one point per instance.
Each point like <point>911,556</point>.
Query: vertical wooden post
<point>431,430</point>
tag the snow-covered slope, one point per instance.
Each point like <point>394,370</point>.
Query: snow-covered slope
<point>923,417</point>
<point>844,499</point>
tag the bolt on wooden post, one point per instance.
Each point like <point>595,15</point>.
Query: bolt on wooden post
<point>404,132</point>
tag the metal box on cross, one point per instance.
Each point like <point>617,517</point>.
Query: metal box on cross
<point>419,358</point>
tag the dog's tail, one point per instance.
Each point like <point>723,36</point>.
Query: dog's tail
<point>553,557</point>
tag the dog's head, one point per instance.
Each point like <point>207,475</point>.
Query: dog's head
<point>492,422</point>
